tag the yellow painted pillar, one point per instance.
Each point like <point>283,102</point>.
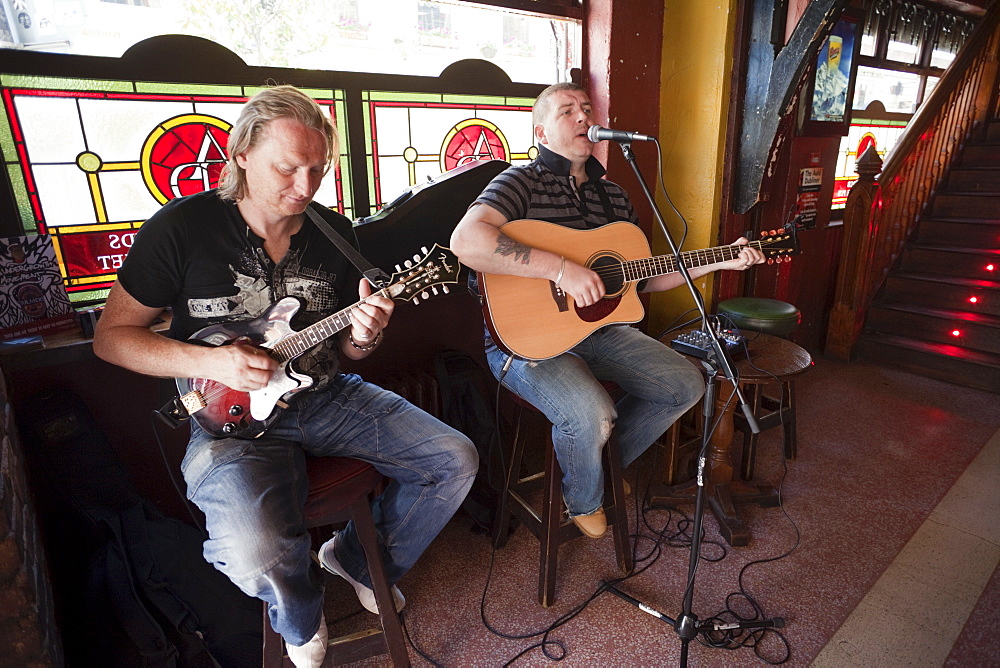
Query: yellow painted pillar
<point>698,38</point>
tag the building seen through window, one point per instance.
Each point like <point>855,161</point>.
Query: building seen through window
<point>411,37</point>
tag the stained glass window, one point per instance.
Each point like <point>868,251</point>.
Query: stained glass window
<point>89,161</point>
<point>412,137</point>
<point>881,132</point>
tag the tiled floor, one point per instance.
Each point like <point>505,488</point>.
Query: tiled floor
<point>895,500</point>
<point>917,609</point>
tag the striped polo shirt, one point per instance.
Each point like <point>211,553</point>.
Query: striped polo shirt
<point>544,190</point>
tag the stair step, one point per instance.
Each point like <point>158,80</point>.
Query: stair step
<point>993,132</point>
<point>985,155</point>
<point>970,233</point>
<point>967,205</point>
<point>974,180</point>
<point>966,262</point>
<point>949,363</point>
<point>978,331</point>
<point>942,292</point>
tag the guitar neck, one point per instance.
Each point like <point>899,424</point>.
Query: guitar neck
<point>638,270</point>
<point>295,344</point>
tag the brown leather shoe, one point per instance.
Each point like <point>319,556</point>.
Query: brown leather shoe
<point>593,525</point>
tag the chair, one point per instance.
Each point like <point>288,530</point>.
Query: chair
<point>778,318</point>
<point>547,523</point>
<point>339,490</point>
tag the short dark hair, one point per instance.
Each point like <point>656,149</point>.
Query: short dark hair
<point>542,102</point>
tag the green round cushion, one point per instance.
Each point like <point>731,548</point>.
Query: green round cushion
<point>762,315</point>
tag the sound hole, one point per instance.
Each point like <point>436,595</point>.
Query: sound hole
<point>609,268</point>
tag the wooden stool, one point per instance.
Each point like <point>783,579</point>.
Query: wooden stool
<point>339,490</point>
<point>778,318</point>
<point>776,362</point>
<point>547,523</point>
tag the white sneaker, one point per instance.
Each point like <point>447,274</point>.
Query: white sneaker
<point>311,654</point>
<point>328,560</point>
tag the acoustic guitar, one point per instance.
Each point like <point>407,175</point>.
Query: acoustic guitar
<point>533,319</point>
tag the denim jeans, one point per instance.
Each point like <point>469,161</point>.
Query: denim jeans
<point>658,386</point>
<point>253,493</point>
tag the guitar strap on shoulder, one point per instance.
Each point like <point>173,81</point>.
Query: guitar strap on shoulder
<point>375,276</point>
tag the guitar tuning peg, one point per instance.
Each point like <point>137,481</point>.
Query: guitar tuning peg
<point>416,299</point>
<point>416,258</point>
<point>407,264</point>
<point>770,260</point>
<point>434,290</point>
<point>398,269</point>
<point>444,289</point>
<point>423,250</point>
<point>424,294</point>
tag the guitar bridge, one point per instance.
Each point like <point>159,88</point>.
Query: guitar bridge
<point>192,402</point>
<point>559,297</point>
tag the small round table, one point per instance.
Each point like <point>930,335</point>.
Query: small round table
<point>770,359</point>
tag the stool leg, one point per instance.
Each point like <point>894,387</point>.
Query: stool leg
<point>619,511</point>
<point>755,398</point>
<point>513,473</point>
<point>548,549</point>
<point>788,418</point>
<point>273,644</point>
<point>391,629</point>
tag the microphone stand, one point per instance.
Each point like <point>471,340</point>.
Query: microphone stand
<point>687,625</point>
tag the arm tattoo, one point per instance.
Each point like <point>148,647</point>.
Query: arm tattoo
<point>507,246</point>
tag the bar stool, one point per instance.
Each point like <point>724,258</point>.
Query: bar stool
<point>547,523</point>
<point>339,490</point>
<point>778,318</point>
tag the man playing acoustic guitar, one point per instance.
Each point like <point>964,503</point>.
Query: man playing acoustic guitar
<point>564,185</point>
<point>224,256</point>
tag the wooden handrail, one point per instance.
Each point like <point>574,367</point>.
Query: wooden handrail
<point>881,214</point>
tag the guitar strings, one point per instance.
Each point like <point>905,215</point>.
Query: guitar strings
<point>612,271</point>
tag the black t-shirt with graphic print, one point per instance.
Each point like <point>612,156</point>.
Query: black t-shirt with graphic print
<point>198,256</point>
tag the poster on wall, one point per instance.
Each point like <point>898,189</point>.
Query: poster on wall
<point>810,180</point>
<point>829,98</point>
<point>33,299</point>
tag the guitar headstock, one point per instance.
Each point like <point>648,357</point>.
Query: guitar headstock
<point>421,277</point>
<point>779,245</point>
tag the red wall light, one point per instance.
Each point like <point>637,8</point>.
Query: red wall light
<point>973,300</point>
<point>956,332</point>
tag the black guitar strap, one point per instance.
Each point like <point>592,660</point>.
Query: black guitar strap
<point>375,276</point>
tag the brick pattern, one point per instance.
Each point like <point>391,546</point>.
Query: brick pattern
<point>28,633</point>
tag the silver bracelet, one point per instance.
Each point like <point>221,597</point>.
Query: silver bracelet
<point>562,269</point>
<point>366,347</point>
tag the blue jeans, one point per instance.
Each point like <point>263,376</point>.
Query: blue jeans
<point>253,493</point>
<point>659,385</point>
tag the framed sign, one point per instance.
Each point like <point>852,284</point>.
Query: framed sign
<point>827,102</point>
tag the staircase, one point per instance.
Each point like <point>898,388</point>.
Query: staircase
<point>938,313</point>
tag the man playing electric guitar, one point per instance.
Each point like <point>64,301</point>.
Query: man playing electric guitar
<point>227,255</point>
<point>564,185</point>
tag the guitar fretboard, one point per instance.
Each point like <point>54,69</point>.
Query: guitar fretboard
<point>295,344</point>
<point>637,270</point>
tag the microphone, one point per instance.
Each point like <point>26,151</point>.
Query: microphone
<point>596,133</point>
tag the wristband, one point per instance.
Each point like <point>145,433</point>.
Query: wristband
<point>562,270</point>
<point>366,347</point>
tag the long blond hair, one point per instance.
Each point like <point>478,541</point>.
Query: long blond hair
<point>261,109</point>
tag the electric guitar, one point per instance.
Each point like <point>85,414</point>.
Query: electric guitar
<point>223,411</point>
<point>533,319</point>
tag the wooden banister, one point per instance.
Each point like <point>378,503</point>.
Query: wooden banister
<point>881,213</point>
